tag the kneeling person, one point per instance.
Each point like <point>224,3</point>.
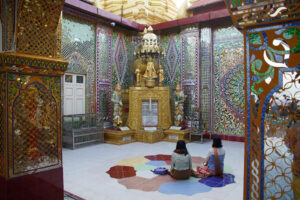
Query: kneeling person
<point>181,166</point>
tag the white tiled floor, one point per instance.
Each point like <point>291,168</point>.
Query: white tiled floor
<point>85,171</point>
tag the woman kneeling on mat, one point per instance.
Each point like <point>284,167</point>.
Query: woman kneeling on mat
<point>214,162</point>
<point>181,166</point>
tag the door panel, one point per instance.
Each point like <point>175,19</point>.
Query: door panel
<point>74,94</point>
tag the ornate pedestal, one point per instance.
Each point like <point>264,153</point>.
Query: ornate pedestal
<point>175,135</point>
<point>119,137</point>
<point>139,94</point>
<point>149,137</point>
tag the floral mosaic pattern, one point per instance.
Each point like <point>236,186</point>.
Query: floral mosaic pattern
<point>229,93</point>
<point>79,48</point>
<point>232,91</point>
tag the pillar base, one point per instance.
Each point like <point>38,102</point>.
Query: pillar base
<point>46,185</point>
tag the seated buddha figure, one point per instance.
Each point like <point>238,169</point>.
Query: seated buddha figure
<point>150,72</point>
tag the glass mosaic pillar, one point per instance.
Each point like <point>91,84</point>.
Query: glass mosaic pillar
<point>30,105</point>
<point>190,69</point>
<point>205,77</point>
<point>272,59</point>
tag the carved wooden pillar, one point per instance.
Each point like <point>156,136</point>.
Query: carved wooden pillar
<point>272,43</point>
<point>30,102</point>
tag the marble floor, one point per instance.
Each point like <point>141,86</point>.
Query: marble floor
<point>85,171</point>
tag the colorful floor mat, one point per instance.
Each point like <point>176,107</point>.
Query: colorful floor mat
<point>135,173</point>
<point>214,181</point>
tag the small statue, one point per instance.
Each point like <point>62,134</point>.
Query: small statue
<point>160,75</point>
<point>117,100</point>
<point>138,77</point>
<point>150,72</point>
<point>179,100</point>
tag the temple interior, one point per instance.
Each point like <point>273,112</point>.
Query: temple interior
<point>96,96</point>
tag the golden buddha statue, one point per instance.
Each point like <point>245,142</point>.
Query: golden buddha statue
<point>150,72</point>
<point>138,77</point>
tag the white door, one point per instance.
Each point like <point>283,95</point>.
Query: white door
<point>74,94</point>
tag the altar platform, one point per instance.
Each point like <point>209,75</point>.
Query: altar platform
<point>119,137</point>
<point>149,136</point>
<point>172,135</point>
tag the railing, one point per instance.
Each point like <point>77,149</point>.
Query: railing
<point>81,129</point>
<point>197,128</point>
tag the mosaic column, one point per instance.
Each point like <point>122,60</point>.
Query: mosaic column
<point>190,68</point>
<point>104,71</point>
<point>205,77</point>
<point>272,58</point>
<point>30,106</point>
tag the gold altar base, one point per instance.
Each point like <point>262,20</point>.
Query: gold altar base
<point>118,137</point>
<point>139,94</point>
<point>149,137</point>
<point>175,135</point>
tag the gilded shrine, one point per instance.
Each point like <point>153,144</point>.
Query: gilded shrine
<point>141,97</point>
<point>149,117</point>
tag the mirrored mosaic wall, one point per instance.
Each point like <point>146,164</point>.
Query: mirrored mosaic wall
<point>79,49</point>
<point>205,76</point>
<point>229,95</point>
<point>181,66</point>
<point>104,55</point>
<point>190,69</point>
<point>114,65</point>
<point>104,70</point>
<point>171,63</point>
<point>122,65</point>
